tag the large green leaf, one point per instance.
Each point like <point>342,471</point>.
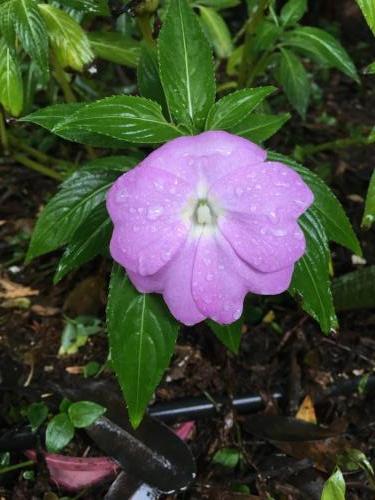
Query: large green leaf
<point>229,335</point>
<point>69,42</point>
<point>235,107</point>
<point>259,127</point>
<point>292,11</point>
<point>7,29</point>
<point>369,213</point>
<point>368,9</point>
<point>292,76</point>
<point>11,87</point>
<point>219,4</point>
<point>334,488</point>
<point>99,7</point>
<point>186,66</point>
<point>90,239</point>
<point>123,117</point>
<point>311,282</point>
<point>323,47</point>
<point>142,336</point>
<point>115,47</point>
<point>355,290</point>
<point>31,30</point>
<point>73,203</point>
<point>217,31</point>
<point>52,117</point>
<point>331,214</point>
<point>149,82</point>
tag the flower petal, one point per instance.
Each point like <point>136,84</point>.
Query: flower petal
<point>145,205</point>
<point>270,189</point>
<point>267,245</point>
<point>205,157</point>
<point>221,280</point>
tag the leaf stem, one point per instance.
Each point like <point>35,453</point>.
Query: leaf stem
<point>63,81</point>
<point>37,167</point>
<point>38,155</point>
<point>21,465</point>
<point>3,133</point>
<point>145,28</point>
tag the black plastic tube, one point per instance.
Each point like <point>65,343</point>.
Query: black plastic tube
<point>192,408</point>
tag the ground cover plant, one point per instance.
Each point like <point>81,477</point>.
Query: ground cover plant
<point>191,172</point>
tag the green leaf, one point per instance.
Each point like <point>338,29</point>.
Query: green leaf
<point>11,86</point>
<point>355,290</point>
<point>99,7</point>
<point>311,282</point>
<point>229,335</point>
<point>115,47</point>
<point>186,66</point>
<point>73,203</point>
<point>84,413</point>
<point>370,69</point>
<point>235,107</point>
<point>369,213</point>
<point>227,457</point>
<point>149,82</point>
<point>320,45</point>
<point>54,116</point>
<point>292,12</point>
<point>368,10</point>
<point>36,414</point>
<point>59,433</point>
<point>334,487</point>
<point>217,31</point>
<point>7,29</point>
<point>31,30</point>
<point>259,127</point>
<point>331,214</point>
<point>69,42</point>
<point>90,239</point>
<point>292,76</point>
<point>123,117</point>
<point>219,4</point>
<point>265,37</point>
<point>142,336</point>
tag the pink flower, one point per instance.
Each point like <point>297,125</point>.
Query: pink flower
<point>206,219</point>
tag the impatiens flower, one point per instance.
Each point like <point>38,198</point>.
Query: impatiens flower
<point>206,219</point>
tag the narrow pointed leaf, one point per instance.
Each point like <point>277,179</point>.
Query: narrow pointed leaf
<point>292,12</point>
<point>368,10</point>
<point>217,31</point>
<point>31,30</point>
<point>142,336</point>
<point>127,118</point>
<point>186,66</point>
<point>229,335</point>
<point>73,203</point>
<point>260,127</point>
<point>115,47</point>
<point>235,107</point>
<point>355,290</point>
<point>69,42</point>
<point>311,282</point>
<point>292,76</point>
<point>89,240</point>
<point>149,82</point>
<point>334,488</point>
<point>11,86</point>
<point>7,28</point>
<point>323,47</point>
<point>331,214</point>
<point>99,7</point>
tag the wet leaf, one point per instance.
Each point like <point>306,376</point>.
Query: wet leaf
<point>334,488</point>
<point>60,432</point>
<point>84,413</point>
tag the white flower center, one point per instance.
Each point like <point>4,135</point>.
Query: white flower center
<point>203,213</point>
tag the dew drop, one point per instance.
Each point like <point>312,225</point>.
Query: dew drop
<point>279,232</point>
<point>238,191</point>
<point>159,186</point>
<point>236,314</point>
<point>132,210</point>
<point>221,267</point>
<point>154,213</point>
<point>136,229</point>
<point>209,277</point>
<point>121,196</point>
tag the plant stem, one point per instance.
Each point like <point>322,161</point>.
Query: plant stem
<point>21,465</point>
<point>38,155</point>
<point>3,133</point>
<point>251,26</point>
<point>145,28</point>
<point>63,81</point>
<point>37,167</point>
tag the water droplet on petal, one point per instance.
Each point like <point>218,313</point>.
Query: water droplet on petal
<point>132,210</point>
<point>136,229</point>
<point>236,314</point>
<point>154,213</point>
<point>209,277</point>
<point>238,191</point>
<point>279,232</point>
<point>159,186</point>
